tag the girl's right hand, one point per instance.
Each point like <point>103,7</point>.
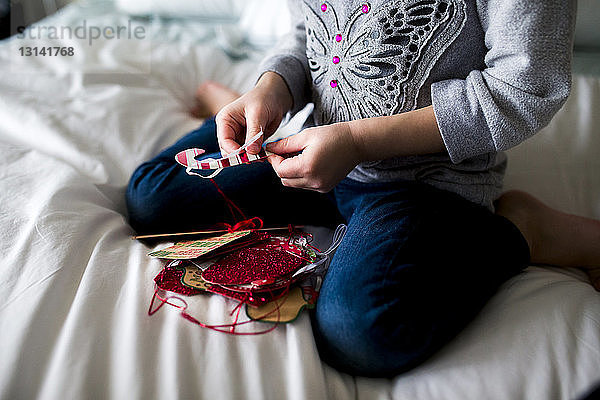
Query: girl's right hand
<point>262,107</point>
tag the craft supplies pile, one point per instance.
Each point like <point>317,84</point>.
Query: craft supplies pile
<point>273,277</point>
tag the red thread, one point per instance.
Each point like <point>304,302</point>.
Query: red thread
<point>218,327</point>
<point>245,223</point>
<point>164,301</point>
<point>252,223</point>
<point>232,206</point>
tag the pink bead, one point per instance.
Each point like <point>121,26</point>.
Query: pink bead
<point>338,38</point>
<point>323,7</point>
<point>336,59</point>
<point>365,8</point>
<point>333,83</point>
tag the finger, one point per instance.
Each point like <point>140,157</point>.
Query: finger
<point>274,160</point>
<point>255,119</point>
<point>299,183</point>
<point>290,168</point>
<point>302,183</point>
<point>290,144</point>
<point>227,130</point>
<point>228,146</point>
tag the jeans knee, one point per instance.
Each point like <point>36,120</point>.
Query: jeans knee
<point>365,337</point>
<point>363,326</point>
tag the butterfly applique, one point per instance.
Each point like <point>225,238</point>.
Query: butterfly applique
<point>376,62</point>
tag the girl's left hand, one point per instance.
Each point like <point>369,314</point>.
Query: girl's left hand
<point>326,155</point>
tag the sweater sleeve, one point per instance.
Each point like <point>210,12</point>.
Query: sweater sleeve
<point>288,59</point>
<point>526,79</point>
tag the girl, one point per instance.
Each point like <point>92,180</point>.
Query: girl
<point>415,100</point>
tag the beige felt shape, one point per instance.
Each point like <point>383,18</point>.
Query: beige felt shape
<point>289,308</point>
<point>192,278</point>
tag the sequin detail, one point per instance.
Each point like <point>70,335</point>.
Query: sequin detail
<point>333,83</point>
<point>336,60</point>
<point>323,7</point>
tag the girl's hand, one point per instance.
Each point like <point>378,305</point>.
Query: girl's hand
<point>328,154</point>
<point>262,107</point>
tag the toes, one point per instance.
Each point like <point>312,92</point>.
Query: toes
<point>200,111</point>
<point>205,88</point>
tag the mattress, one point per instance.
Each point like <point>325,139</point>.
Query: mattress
<point>76,288</point>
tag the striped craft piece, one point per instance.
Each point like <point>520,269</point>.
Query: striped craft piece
<point>187,158</point>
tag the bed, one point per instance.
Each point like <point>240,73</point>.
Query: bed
<point>76,288</point>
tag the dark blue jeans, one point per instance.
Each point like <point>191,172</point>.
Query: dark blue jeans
<point>416,265</point>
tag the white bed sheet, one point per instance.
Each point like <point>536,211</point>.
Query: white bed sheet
<point>73,322</point>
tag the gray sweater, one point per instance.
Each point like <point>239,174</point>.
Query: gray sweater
<point>495,71</point>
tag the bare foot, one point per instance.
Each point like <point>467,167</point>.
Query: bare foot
<point>211,97</point>
<point>555,238</point>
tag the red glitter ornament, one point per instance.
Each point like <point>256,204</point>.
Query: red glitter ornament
<point>260,265</point>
